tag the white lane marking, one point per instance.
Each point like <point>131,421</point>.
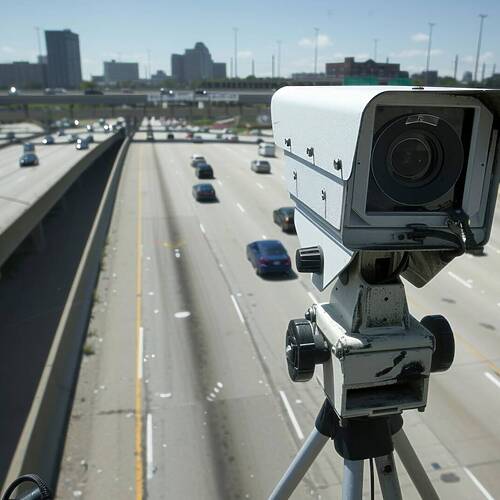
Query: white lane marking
<point>259,185</point>
<point>219,182</point>
<point>240,207</point>
<point>220,384</point>
<point>292,416</point>
<point>149,446</point>
<point>480,487</point>
<point>238,310</point>
<point>140,351</point>
<point>182,314</point>
<point>264,237</point>
<point>202,228</point>
<point>495,249</point>
<point>460,280</point>
<point>492,378</point>
<point>312,297</point>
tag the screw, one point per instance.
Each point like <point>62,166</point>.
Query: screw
<point>294,175</point>
<point>288,142</point>
<point>337,164</point>
<point>387,469</point>
<point>323,194</point>
<point>310,151</point>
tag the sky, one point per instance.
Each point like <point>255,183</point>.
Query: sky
<point>126,30</point>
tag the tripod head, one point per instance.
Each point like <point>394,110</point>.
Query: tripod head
<point>375,357</point>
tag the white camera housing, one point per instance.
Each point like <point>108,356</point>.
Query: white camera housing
<point>352,195</point>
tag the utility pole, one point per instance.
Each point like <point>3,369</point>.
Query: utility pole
<point>455,68</point>
<point>375,46</point>
<point>235,52</point>
<point>278,42</point>
<point>316,36</point>
<point>149,63</point>
<point>253,67</point>
<point>231,67</point>
<point>482,16</point>
<point>37,29</point>
<point>494,69</point>
<point>272,66</point>
<point>431,26</point>
<point>483,71</point>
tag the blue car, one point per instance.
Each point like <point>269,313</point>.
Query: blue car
<point>269,257</point>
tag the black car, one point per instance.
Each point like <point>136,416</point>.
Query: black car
<point>93,92</point>
<point>284,218</point>
<point>28,160</point>
<point>48,139</point>
<point>204,171</point>
<point>170,137</point>
<point>150,136</point>
<point>204,192</point>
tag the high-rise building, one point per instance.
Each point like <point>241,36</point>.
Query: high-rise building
<point>350,69</point>
<point>195,65</point>
<point>63,59</point>
<point>23,75</point>
<point>219,71</point>
<point>117,72</point>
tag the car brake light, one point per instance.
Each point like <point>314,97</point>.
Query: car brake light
<point>288,261</point>
<point>263,260</point>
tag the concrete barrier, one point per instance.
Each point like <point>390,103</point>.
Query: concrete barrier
<point>41,444</point>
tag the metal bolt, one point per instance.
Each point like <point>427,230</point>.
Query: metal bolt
<point>310,151</point>
<point>323,194</point>
<point>288,142</point>
<point>337,164</point>
<point>294,175</point>
<point>387,469</point>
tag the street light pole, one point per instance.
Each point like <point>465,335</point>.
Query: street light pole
<point>479,40</point>
<point>431,26</point>
<point>235,52</point>
<point>37,28</point>
<point>279,58</point>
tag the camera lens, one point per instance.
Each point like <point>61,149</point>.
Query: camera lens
<point>410,159</point>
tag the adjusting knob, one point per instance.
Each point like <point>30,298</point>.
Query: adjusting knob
<point>309,260</point>
<point>444,352</point>
<point>304,349</point>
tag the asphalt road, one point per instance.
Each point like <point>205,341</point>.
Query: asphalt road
<point>219,417</point>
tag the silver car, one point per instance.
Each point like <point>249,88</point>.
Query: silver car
<point>261,166</point>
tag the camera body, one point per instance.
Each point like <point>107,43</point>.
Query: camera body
<point>386,168</point>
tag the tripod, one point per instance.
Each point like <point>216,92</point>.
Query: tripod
<point>360,439</point>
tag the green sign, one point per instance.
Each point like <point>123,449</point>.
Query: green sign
<point>400,81</point>
<point>361,80</point>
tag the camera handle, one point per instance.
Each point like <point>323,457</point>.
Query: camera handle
<point>38,492</point>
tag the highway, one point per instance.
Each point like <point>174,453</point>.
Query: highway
<point>187,394</point>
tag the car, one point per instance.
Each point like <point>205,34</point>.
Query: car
<point>197,139</point>
<point>72,138</point>
<point>82,144</point>
<point>76,123</point>
<point>150,136</point>
<point>28,160</point>
<point>164,91</point>
<point>189,135</point>
<point>13,91</point>
<point>170,137</point>
<point>48,140</point>
<point>231,138</point>
<point>49,91</point>
<point>218,136</point>
<point>106,127</point>
<point>284,217</point>
<point>93,92</point>
<point>200,92</point>
<point>128,91</point>
<point>269,257</point>
<point>61,132</point>
<point>260,166</point>
<point>28,147</point>
<point>90,128</point>
<point>204,171</point>
<point>89,138</point>
<point>10,136</point>
<point>204,192</point>
<point>195,159</point>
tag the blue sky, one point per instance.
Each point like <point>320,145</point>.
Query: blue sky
<point>126,30</point>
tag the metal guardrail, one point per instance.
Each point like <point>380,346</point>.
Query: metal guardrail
<point>42,440</point>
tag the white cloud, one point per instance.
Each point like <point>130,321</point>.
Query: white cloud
<point>420,37</point>
<point>323,41</point>
<point>487,56</point>
<point>245,54</point>
<point>411,53</point>
<point>7,49</point>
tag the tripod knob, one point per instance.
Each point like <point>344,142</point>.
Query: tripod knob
<point>304,350</point>
<point>309,260</point>
<point>444,352</point>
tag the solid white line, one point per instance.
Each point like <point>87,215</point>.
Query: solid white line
<point>259,185</point>
<point>202,228</point>
<point>492,378</point>
<point>240,207</point>
<point>237,307</point>
<point>149,446</point>
<point>312,297</point>
<point>480,487</point>
<point>140,352</point>
<point>460,280</point>
<point>219,182</point>
<point>292,416</point>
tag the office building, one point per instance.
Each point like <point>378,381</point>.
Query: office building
<point>219,71</point>
<point>349,70</point>
<point>118,72</point>
<point>63,59</point>
<point>23,75</point>
<point>195,65</point>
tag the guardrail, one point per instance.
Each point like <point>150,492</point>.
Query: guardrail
<point>41,444</point>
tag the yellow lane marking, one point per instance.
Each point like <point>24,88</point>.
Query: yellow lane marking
<point>139,481</point>
<point>175,244</point>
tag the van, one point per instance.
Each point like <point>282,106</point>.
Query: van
<point>266,149</point>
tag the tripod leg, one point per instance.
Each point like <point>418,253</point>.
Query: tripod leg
<point>300,465</point>
<point>352,482</point>
<point>413,466</point>
<point>388,477</point>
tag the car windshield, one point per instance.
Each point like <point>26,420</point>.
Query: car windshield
<point>205,187</point>
<point>287,212</point>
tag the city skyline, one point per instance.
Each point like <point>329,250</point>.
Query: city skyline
<point>404,43</point>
